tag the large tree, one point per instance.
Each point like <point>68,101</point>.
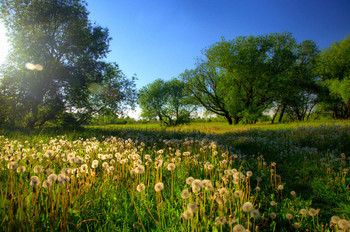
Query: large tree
<point>165,101</point>
<point>238,79</point>
<point>334,73</point>
<point>56,66</point>
<point>297,94</point>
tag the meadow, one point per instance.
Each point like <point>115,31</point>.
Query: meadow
<point>198,177</point>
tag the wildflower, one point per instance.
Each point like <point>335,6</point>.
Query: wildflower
<point>49,153</point>
<point>185,194</point>
<point>210,167</point>
<point>273,203</point>
<point>220,221</point>
<point>94,164</point>
<point>196,189</point>
<point>105,165</point>
<point>140,188</point>
<point>303,212</point>
<point>159,187</point>
<point>21,169</point>
<point>52,178</point>
<point>46,184</point>
<point>84,168</point>
<point>296,225</point>
<point>197,183</point>
<point>343,224</point>
<point>49,171</point>
<point>247,207</point>
<point>313,212</point>
<point>34,181</point>
<point>224,192</point>
<point>280,187</point>
<point>255,214</point>
<point>293,193</point>
<point>38,169</point>
<point>12,165</point>
<point>207,185</point>
<point>187,215</point>
<point>273,215</point>
<point>171,167</point>
<point>238,228</point>
<point>335,219</point>
<point>231,220</point>
<point>158,163</point>
<point>66,171</point>
<point>249,173</point>
<point>140,169</point>
<point>192,207</point>
<point>289,216</point>
<point>238,194</point>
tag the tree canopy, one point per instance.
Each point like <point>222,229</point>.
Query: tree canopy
<point>166,101</point>
<point>334,72</point>
<point>241,78</point>
<point>55,68</point>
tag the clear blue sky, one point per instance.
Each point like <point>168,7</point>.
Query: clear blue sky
<point>161,38</point>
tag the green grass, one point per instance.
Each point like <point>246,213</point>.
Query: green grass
<point>311,159</point>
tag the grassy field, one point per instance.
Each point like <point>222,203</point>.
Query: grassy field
<point>198,177</point>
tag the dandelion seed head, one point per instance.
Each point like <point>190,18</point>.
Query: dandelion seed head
<point>192,207</point>
<point>21,169</point>
<point>220,221</point>
<point>187,215</point>
<point>238,228</point>
<point>313,212</point>
<point>140,169</point>
<point>273,215</point>
<point>171,167</point>
<point>224,192</point>
<point>140,188</point>
<point>296,225</point>
<point>52,178</point>
<point>303,212</point>
<point>46,184</point>
<point>197,183</point>
<point>255,214</point>
<point>34,181</point>
<point>344,224</point>
<point>247,207</point>
<point>49,153</point>
<point>289,216</point>
<point>335,219</point>
<point>185,194</point>
<point>238,194</point>
<point>159,187</point>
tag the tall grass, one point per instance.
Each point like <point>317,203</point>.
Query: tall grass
<point>285,177</point>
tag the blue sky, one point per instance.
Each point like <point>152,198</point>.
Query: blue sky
<point>161,38</point>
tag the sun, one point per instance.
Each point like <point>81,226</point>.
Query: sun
<point>4,44</point>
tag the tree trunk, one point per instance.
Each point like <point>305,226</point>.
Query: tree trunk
<point>282,112</point>
<point>274,116</point>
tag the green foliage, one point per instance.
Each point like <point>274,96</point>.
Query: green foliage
<point>167,101</point>
<point>55,64</point>
<point>243,77</point>
<point>334,71</point>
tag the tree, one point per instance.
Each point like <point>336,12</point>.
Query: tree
<point>165,100</point>
<point>334,72</point>
<point>56,56</point>
<point>239,78</point>
<point>298,89</point>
